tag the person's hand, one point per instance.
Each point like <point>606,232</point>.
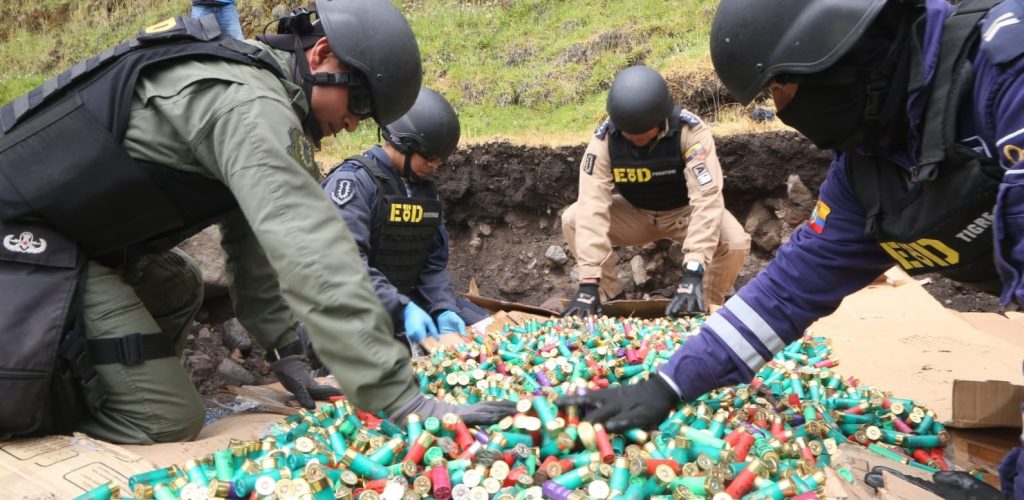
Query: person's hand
<point>689,297</point>
<point>957,485</point>
<point>449,322</point>
<point>294,374</point>
<point>482,413</point>
<point>418,324</point>
<point>644,405</point>
<point>587,302</point>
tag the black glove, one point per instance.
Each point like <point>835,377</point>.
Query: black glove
<point>294,374</point>
<point>689,297</point>
<point>956,485</point>
<point>482,413</point>
<point>587,302</point>
<point>643,405</point>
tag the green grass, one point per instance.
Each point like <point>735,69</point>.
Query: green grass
<point>534,70</point>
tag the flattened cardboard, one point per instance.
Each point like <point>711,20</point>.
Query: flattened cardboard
<point>63,466</point>
<point>502,305</point>
<point>992,403</point>
<point>900,339</point>
<point>244,426</point>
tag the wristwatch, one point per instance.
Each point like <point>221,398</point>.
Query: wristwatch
<point>694,266</point>
<point>283,351</point>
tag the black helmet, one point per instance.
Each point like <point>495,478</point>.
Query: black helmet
<point>374,38</point>
<point>639,100</point>
<point>430,128</point>
<point>754,41</point>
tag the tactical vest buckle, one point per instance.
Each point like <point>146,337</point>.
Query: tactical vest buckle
<point>129,349</point>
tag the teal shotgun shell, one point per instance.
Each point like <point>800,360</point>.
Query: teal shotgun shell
<point>196,473</point>
<point>223,462</point>
<point>245,484</point>
<point>105,491</point>
<point>163,491</point>
<point>432,425</point>
<point>153,476</point>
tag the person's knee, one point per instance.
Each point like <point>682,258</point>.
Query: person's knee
<point>183,424</point>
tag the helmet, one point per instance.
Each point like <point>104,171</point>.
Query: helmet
<point>754,41</point>
<point>639,100</point>
<point>430,128</point>
<point>374,38</point>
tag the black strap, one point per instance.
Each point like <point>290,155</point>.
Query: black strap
<point>284,351</point>
<point>953,75</point>
<point>132,349</point>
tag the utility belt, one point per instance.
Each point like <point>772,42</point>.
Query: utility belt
<point>47,367</point>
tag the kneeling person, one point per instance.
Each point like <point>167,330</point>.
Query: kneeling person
<point>651,172</point>
<point>391,206</point>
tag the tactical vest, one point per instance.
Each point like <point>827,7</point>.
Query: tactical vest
<point>651,179</point>
<point>943,222</point>
<point>402,246</point>
<point>69,192</point>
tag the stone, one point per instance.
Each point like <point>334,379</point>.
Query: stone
<point>205,248</point>
<point>200,365</point>
<point>636,265</point>
<point>236,337</point>
<point>757,215</point>
<point>574,274</point>
<point>235,373</point>
<point>798,192</point>
<point>280,10</point>
<point>485,229</point>
<point>556,254</point>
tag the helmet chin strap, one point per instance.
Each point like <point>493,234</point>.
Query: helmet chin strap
<point>407,172</point>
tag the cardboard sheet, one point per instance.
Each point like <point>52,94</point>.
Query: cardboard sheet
<point>899,338</point>
<point>243,426</point>
<point>63,467</point>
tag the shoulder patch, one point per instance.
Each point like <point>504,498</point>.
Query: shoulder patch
<point>696,152</point>
<point>1002,32</point>
<point>602,130</point>
<point>301,150</point>
<point>1011,149</point>
<point>343,192</point>
<point>819,217</point>
<point>588,163</point>
<point>688,118</point>
<point>703,175</point>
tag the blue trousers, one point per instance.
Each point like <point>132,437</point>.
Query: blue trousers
<point>226,14</point>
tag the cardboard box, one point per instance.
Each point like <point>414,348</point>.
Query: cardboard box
<point>992,403</point>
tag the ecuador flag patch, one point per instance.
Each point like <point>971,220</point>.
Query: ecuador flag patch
<point>818,217</point>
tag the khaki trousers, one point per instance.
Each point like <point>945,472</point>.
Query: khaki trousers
<point>154,401</point>
<point>632,226</point>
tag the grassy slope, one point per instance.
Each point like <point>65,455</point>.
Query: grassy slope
<point>533,71</point>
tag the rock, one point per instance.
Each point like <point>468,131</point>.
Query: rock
<point>485,229</point>
<point>236,337</point>
<point>574,274</point>
<point>280,10</point>
<point>475,244</point>
<point>236,355</point>
<point>757,215</point>
<point>204,333</point>
<point>798,192</point>
<point>205,248</point>
<point>553,303</point>
<point>556,254</point>
<point>235,373</point>
<point>675,254</point>
<point>200,365</point>
<point>636,265</point>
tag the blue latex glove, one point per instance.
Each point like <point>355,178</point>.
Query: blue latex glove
<point>418,324</point>
<point>449,321</point>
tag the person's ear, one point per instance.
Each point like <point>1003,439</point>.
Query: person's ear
<point>318,53</point>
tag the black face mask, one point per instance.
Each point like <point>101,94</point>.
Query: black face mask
<point>831,116</point>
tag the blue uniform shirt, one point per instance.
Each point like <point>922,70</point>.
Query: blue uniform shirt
<point>353,190</point>
<point>830,257</point>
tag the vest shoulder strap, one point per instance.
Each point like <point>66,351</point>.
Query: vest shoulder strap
<point>381,178</point>
<point>953,76</point>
